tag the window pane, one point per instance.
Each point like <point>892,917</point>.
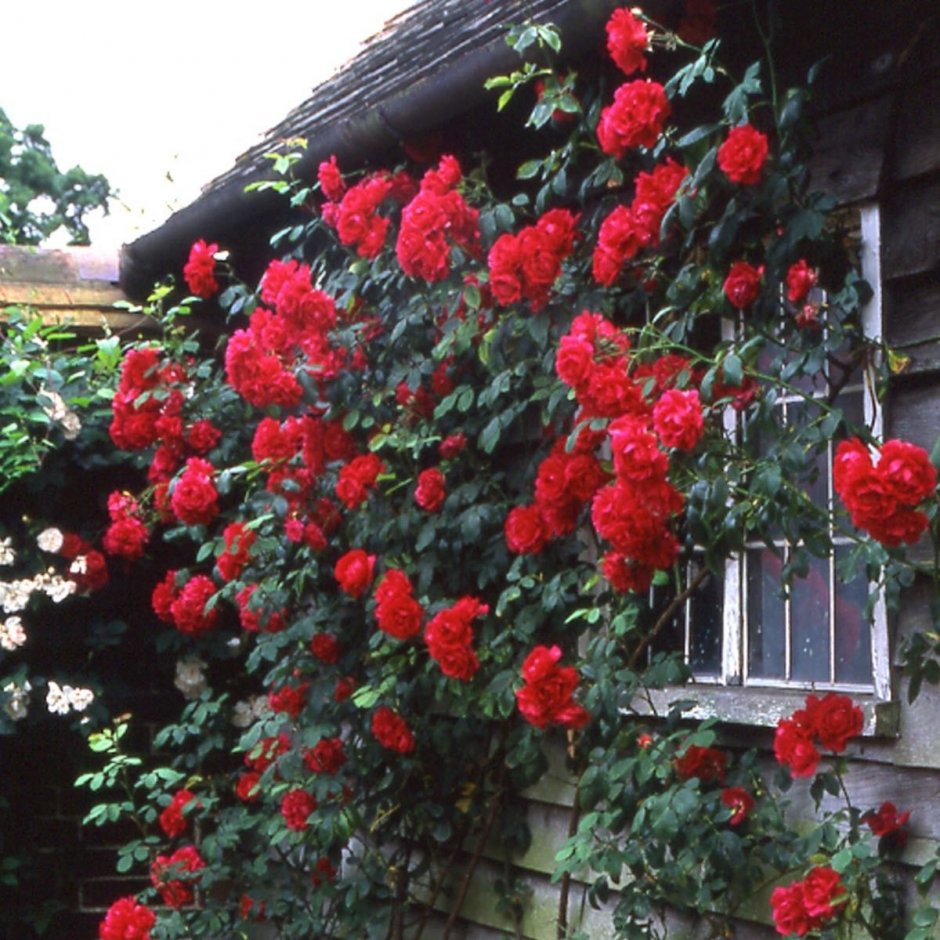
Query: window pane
<point>801,414</point>
<point>853,633</point>
<point>766,624</point>
<point>706,615</point>
<point>809,624</point>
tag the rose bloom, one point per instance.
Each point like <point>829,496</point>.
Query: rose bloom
<point>127,920</point>
<point>430,491</point>
<point>326,648</point>
<point>354,571</point>
<point>677,419</point>
<point>331,179</point>
<point>392,731</point>
<point>296,807</point>
<point>325,757</point>
<point>742,285</point>
<point>199,270</point>
<point>743,154</point>
<point>546,696</point>
<point>126,537</point>
<point>246,786</point>
<point>194,495</point>
<point>627,41</point>
<point>451,446</point>
<point>706,763</point>
<point>821,887</point>
<point>172,821</point>
<point>188,611</point>
<point>739,801</point>
<point>907,472</point>
<point>887,821</point>
<point>789,914</point>
<point>834,719</point>
<point>794,747</point>
<point>635,119</point>
<point>173,875</point>
<point>801,278</point>
<point>397,613</point>
<point>524,530</point>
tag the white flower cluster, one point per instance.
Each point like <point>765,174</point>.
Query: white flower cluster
<point>50,540</point>
<point>7,552</point>
<point>60,700</point>
<point>190,678</point>
<point>12,634</point>
<point>15,595</point>
<point>57,410</point>
<point>246,712</point>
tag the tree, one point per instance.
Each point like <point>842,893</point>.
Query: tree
<point>36,197</point>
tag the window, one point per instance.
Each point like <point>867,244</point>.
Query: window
<point>751,629</point>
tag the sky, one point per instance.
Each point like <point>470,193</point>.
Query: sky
<point>162,97</point>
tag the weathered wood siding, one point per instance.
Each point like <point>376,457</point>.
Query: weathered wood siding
<point>883,148</point>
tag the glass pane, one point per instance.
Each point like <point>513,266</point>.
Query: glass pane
<point>671,639</point>
<point>853,633</point>
<point>766,625</point>
<point>706,615</point>
<point>809,624</point>
<point>801,414</point>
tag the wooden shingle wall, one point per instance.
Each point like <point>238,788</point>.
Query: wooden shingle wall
<point>879,144</point>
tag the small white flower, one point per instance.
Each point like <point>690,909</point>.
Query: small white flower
<point>50,540</point>
<point>7,552</point>
<point>57,699</point>
<point>242,715</point>
<point>12,634</point>
<point>190,678</point>
<point>58,588</point>
<point>14,595</point>
<point>17,705</point>
<point>79,698</point>
<point>79,565</point>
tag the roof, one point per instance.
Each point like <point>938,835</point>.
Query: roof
<point>426,66</point>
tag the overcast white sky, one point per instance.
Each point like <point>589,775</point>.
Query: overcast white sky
<point>161,97</point>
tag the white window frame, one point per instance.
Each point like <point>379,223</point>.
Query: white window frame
<point>732,694</point>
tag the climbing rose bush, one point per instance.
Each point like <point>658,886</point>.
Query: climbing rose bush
<point>434,511</point>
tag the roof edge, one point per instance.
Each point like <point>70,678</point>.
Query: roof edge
<point>425,105</point>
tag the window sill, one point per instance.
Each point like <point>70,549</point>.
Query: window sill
<point>763,708</point>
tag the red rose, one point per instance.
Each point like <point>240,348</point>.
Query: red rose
<point>194,495</point>
<point>392,731</point>
<point>397,613</point>
<point>452,445</point>
<point>524,530</point>
<point>706,763</point>
<point>126,537</point>
<point>742,285</point>
<point>188,610</point>
<point>325,757</point>
<point>789,913</point>
<point>296,807</point>
<point>794,747</point>
<point>326,648</point>
<point>199,270</point>
<point>172,821</point>
<point>739,801</point>
<point>801,279</point>
<point>174,875</point>
<point>743,154</point>
<point>430,492</point>
<point>289,699</point>
<point>353,571</point>
<point>834,719</point>
<point>626,575</point>
<point>246,787</point>
<point>127,920</point>
<point>887,822</point>
<point>331,179</point>
<point>821,887</point>
<point>546,696</point>
<point>238,539</point>
<point>677,418</point>
<point>627,41</point>
<point>907,472</point>
<point>635,119</point>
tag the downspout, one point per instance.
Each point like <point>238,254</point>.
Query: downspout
<point>425,105</point>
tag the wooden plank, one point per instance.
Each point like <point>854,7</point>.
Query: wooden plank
<point>911,229</point>
<point>913,322</point>
<point>917,142</point>
<point>850,155</point>
<point>82,294</point>
<point>57,266</point>
<point>914,413</point>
